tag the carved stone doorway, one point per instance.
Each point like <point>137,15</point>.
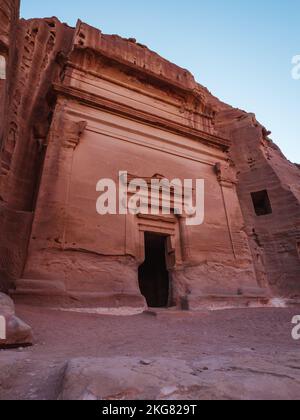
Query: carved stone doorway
<point>154,277</point>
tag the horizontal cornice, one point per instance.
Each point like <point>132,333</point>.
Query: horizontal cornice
<point>129,112</point>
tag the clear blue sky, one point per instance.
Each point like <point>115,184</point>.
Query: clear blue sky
<point>240,49</point>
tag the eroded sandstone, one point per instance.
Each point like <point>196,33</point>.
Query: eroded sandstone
<point>78,105</point>
<point>17,332</point>
<point>175,379</point>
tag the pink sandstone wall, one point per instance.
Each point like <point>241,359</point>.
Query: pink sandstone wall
<point>35,56</point>
<point>101,104</point>
<point>112,120</point>
<point>275,237</point>
<point>9,13</point>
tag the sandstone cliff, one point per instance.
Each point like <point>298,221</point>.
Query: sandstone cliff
<point>35,53</point>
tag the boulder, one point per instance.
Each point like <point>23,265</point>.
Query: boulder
<point>7,307</point>
<point>13,331</point>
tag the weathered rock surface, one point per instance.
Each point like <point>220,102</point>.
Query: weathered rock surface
<point>7,307</point>
<point>18,333</point>
<point>34,56</point>
<point>261,166</point>
<point>78,105</point>
<point>173,379</point>
<point>225,354</point>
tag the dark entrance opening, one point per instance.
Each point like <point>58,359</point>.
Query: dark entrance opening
<point>261,202</point>
<point>153,274</point>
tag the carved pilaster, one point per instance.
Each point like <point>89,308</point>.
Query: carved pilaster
<point>227,179</point>
<point>72,133</point>
<point>184,239</point>
<point>54,192</point>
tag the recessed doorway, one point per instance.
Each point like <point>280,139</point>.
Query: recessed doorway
<point>154,278</point>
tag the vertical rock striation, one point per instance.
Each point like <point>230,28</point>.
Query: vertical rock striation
<point>35,51</point>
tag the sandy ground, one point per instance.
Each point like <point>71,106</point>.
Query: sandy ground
<point>35,373</point>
